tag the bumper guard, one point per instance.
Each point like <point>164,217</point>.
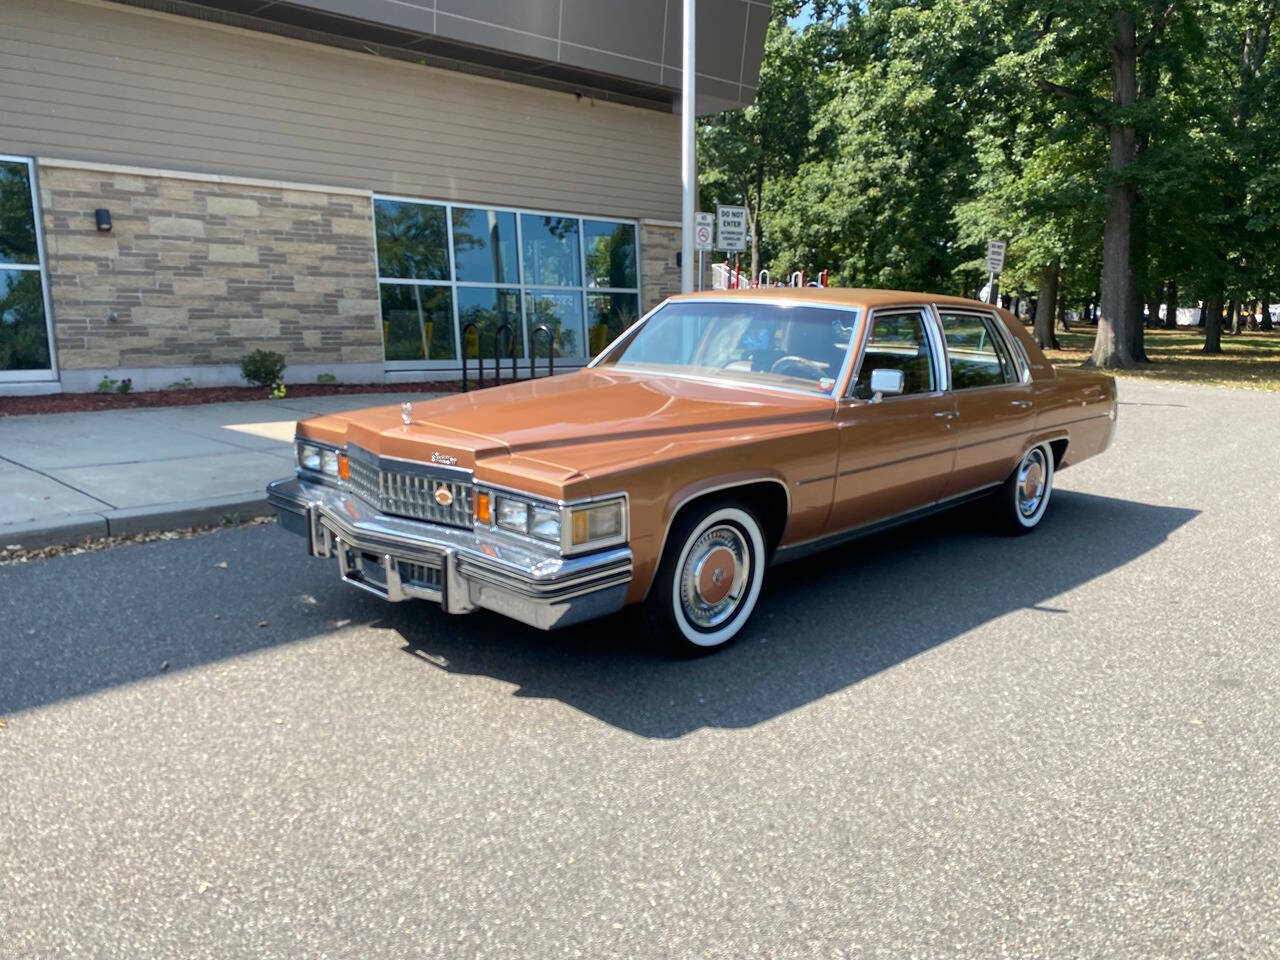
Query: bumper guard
<point>400,559</point>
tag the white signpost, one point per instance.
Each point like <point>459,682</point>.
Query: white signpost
<point>995,267</point>
<point>731,228</point>
<point>703,236</point>
<point>995,257</point>
<point>703,231</point>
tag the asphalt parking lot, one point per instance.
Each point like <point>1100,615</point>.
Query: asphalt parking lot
<point>938,742</point>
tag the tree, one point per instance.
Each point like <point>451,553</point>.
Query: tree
<point>740,151</point>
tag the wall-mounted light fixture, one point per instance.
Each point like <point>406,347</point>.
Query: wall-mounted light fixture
<point>103,216</point>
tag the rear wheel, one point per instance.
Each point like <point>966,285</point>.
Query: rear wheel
<point>710,577</point>
<point>1024,497</point>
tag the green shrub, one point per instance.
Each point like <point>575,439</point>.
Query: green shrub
<point>183,384</point>
<point>326,378</point>
<point>263,368</point>
<point>125,386</point>
<point>107,385</point>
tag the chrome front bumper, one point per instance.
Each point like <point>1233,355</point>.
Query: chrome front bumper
<point>398,559</point>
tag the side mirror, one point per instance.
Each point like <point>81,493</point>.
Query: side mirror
<point>886,383</point>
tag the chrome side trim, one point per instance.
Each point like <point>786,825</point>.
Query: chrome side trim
<point>794,551</point>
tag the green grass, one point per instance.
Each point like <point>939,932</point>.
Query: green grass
<point>1250,360</point>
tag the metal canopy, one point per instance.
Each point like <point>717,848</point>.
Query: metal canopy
<point>628,50</point>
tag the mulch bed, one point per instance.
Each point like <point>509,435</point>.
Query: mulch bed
<point>80,402</point>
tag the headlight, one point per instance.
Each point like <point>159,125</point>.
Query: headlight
<point>512,514</point>
<point>596,522</point>
<point>309,457</point>
<point>322,459</point>
<point>544,523</point>
<point>572,528</point>
<point>329,463</point>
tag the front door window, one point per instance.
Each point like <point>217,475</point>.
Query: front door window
<point>24,324</point>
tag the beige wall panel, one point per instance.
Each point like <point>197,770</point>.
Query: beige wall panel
<point>92,81</point>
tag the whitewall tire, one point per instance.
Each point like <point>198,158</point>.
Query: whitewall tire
<point>710,577</point>
<point>1024,498</point>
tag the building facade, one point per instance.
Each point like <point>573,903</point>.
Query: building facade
<point>371,189</point>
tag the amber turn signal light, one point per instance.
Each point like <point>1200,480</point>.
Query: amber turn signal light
<point>344,467</point>
<point>482,508</point>
<point>580,527</point>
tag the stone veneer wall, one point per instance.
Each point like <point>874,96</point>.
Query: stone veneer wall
<point>196,272</point>
<point>660,277</point>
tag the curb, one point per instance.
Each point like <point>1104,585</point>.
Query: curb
<point>76,528</point>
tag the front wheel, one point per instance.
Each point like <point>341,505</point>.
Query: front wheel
<point>710,577</point>
<point>1024,497</point>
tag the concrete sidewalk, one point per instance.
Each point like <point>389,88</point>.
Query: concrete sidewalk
<point>68,476</point>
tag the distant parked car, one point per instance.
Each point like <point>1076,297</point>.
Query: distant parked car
<point>720,434</point>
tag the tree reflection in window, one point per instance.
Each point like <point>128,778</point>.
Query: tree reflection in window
<point>413,241</point>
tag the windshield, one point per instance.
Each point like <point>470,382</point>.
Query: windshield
<point>773,344</point>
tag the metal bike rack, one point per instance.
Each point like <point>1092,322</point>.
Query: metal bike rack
<point>479,356</point>
<point>504,339</point>
<point>497,353</point>
<point>533,351</point>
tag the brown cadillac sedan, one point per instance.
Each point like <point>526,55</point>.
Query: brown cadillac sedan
<point>720,434</point>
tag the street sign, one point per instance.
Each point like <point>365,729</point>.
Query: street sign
<point>703,230</point>
<point>731,228</point>
<point>995,257</point>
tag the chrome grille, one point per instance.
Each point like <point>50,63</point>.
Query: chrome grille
<point>409,491</point>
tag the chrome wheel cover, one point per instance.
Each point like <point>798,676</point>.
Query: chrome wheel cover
<point>1033,477</point>
<point>715,575</point>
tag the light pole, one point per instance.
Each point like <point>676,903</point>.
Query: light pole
<point>688,155</point>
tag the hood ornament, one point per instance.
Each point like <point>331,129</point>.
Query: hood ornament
<point>406,413</point>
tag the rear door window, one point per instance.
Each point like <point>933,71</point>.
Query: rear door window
<point>977,354</point>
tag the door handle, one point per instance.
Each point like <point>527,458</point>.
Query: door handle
<point>1024,404</point>
<point>945,413</point>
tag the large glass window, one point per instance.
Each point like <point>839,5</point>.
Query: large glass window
<point>413,241</point>
<point>490,308</point>
<point>484,245</point>
<point>551,253</point>
<point>417,322</point>
<point>444,267</point>
<point>611,254</point>
<point>561,313</point>
<point>24,326</point>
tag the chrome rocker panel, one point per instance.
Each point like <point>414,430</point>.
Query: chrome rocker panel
<point>517,580</point>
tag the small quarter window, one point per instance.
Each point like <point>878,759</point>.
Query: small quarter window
<point>897,341</point>
<point>978,357</point>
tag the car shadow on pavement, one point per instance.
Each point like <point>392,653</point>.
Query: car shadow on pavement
<point>823,624</point>
<point>76,625</point>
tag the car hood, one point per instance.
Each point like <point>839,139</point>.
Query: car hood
<point>574,426</point>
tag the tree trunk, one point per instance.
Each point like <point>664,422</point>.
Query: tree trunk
<point>1213,324</point>
<point>1171,306</point>
<point>1153,306</point>
<point>1204,315</point>
<point>1113,346</point>
<point>1233,316</point>
<point>1063,325</point>
<point>1264,322</point>
<point>1046,300</point>
<point>755,221</point>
